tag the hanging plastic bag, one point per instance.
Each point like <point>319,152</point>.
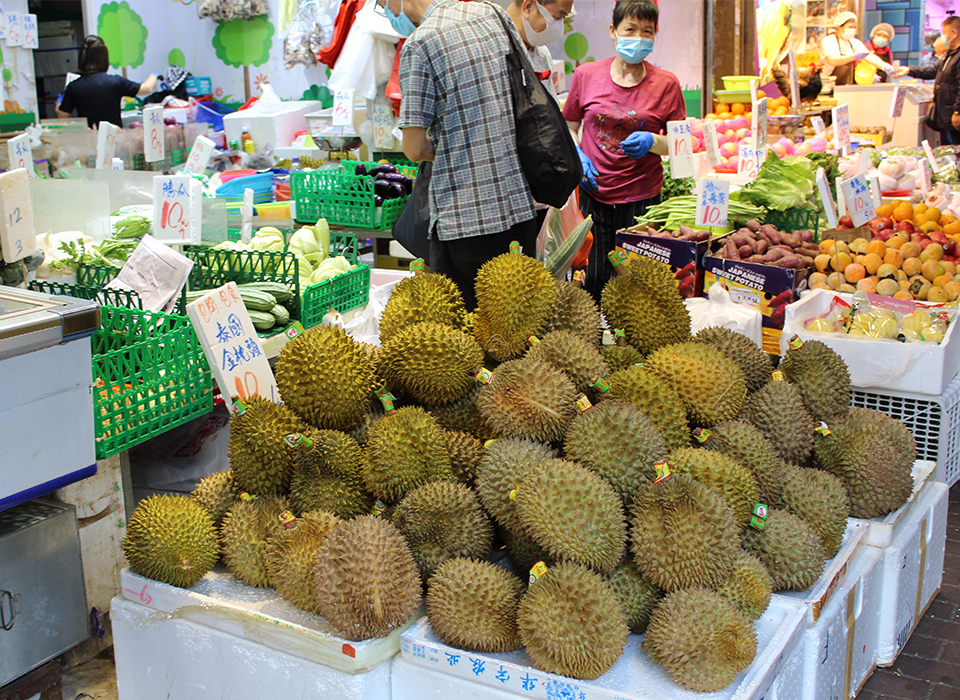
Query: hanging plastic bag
<point>721,311</point>
<point>226,10</point>
<point>561,237</point>
<point>305,38</point>
<point>269,102</point>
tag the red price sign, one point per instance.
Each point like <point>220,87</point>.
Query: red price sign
<point>153,143</point>
<point>748,163</point>
<point>176,202</point>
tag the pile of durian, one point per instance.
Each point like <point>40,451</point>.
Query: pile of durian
<point>471,448</point>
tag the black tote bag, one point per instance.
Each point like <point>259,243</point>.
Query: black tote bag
<point>412,227</point>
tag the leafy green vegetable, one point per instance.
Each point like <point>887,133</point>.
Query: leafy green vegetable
<point>685,209</point>
<point>675,187</point>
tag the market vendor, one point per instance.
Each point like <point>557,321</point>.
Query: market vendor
<point>623,104</point>
<point>841,51</point>
<point>95,94</point>
<point>880,37</point>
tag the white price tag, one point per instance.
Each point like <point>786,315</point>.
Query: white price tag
<point>896,102</point>
<point>153,141</point>
<point>930,157</point>
<point>246,216</point>
<point>176,209</point>
<point>863,162</point>
<point>680,148</point>
<point>713,198</point>
<point>199,155</point>
<point>826,197</point>
<point>14,30</point>
<point>841,128</point>
<point>381,114</point>
<point>70,78</point>
<point>31,37</point>
<point>925,178</point>
<point>841,200</point>
<point>20,154</point>
<point>748,163</point>
<point>875,191</point>
<point>106,145</point>
<point>759,126</point>
<point>3,23</point>
<point>794,81</point>
<point>17,236</point>
<point>818,126</point>
<point>711,143</point>
<point>753,91</point>
<point>860,207</point>
<point>343,107</point>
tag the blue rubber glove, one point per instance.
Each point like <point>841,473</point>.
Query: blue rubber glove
<point>589,171</point>
<point>637,144</point>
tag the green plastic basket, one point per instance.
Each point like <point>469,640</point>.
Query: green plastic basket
<point>342,199</point>
<point>794,219</point>
<point>97,276</point>
<point>106,297</point>
<point>403,166</point>
<point>176,156</point>
<point>149,375</point>
<point>341,293</point>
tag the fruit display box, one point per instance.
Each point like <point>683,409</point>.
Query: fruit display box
<point>679,255</point>
<point>634,676</point>
<point>922,367</point>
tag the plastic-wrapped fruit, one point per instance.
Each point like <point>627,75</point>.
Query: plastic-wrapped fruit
<point>885,328</point>
<point>822,325</point>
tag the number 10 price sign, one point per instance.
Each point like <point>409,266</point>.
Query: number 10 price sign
<point>680,148</point>
<point>713,198</point>
<point>153,145</point>
<point>176,209</point>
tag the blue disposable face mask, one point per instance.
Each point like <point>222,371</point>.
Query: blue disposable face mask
<point>879,42</point>
<point>634,49</point>
<point>401,23</point>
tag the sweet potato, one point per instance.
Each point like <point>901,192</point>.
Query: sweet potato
<point>762,246</point>
<point>730,251</point>
<point>807,236</point>
<point>745,251</point>
<point>756,258</point>
<point>791,239</point>
<point>774,254</point>
<point>753,225</point>
<point>771,233</point>
<point>791,262</point>
<point>741,238</point>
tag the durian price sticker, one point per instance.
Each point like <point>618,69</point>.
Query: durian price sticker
<point>663,471</point>
<point>758,520</point>
<point>701,435</point>
<point>232,346</point>
<point>680,149</point>
<point>538,570</point>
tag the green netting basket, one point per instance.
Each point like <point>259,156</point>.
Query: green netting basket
<point>97,276</point>
<point>341,293</point>
<point>342,199</point>
<point>795,219</point>
<point>106,297</point>
<point>403,166</point>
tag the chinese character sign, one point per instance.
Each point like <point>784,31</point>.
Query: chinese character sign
<point>712,142</point>
<point>896,101</point>
<point>106,145</point>
<point>841,127</point>
<point>381,114</point>
<point>199,155</point>
<point>153,144</point>
<point>20,154</point>
<point>860,207</point>
<point>680,149</point>
<point>748,163</point>
<point>343,107</point>
<point>31,37</point>
<point>14,30</point>
<point>713,198</point>
<point>759,126</point>
<point>176,209</point>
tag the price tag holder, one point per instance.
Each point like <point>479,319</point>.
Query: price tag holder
<point>818,126</point>
<point>199,155</point>
<point>31,36</point>
<point>17,236</point>
<point>20,154</point>
<point>106,145</point>
<point>930,157</point>
<point>680,148</point>
<point>153,141</point>
<point>860,207</point>
<point>176,209</point>
<point>713,198</point>
<point>748,163</point>
<point>896,101</point>
<point>381,114</point>
<point>826,197</point>
<point>925,178</point>
<point>343,107</point>
<point>759,126</point>
<point>711,142</point>
<point>841,127</point>
<point>14,30</point>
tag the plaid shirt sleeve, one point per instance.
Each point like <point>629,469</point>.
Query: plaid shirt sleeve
<point>419,105</point>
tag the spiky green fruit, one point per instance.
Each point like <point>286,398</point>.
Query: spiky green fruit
<point>504,465</point>
<point>260,456</point>
<point>291,554</point>
<point>620,357</point>
<point>820,499</point>
<point>721,473</point>
<point>463,415</point>
<point>465,454</point>
<point>528,399</point>
<point>525,552</point>
<point>822,377</point>
<point>330,452</point>
<point>654,397</point>
<point>347,498</point>
<point>789,549</point>
<point>426,297</point>
<point>246,528</point>
<point>746,445</point>
<point>749,586</point>
<point>216,493</point>
<point>575,310</point>
<point>573,356</point>
<point>756,365</point>
<point>777,411</point>
<point>638,596</point>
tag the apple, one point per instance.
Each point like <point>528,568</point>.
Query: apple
<point>887,221</point>
<point>730,134</point>
<point>883,234</point>
<point>905,226</point>
<point>846,221</point>
<point>742,133</point>
<point>938,237</point>
<point>950,248</point>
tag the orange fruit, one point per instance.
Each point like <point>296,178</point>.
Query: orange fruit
<point>872,263</point>
<point>919,209</point>
<point>887,271</point>
<point>893,257</point>
<point>904,284</point>
<point>910,250</point>
<point>903,212</point>
<point>877,247</point>
<point>949,266</point>
<point>888,287</point>
<point>840,261</point>
<point>834,280</point>
<point>936,294</point>
<point>932,269</point>
<point>903,294</point>
<point>896,240</point>
<point>822,262</point>
<point>950,228</point>
<point>867,285</point>
<point>853,273</point>
<point>933,250</point>
<point>818,280</point>
<point>942,280</point>
<point>947,219</point>
<point>932,214</point>
<point>737,108</point>
<point>912,266</point>
<point>952,290</point>
<point>858,246</point>
<point>826,244</point>
<point>712,115</point>
<point>847,288</point>
<point>929,226</point>
<point>885,210</point>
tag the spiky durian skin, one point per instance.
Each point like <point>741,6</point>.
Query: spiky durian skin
<point>619,442</point>
<point>365,580</point>
<point>620,357</point>
<point>330,452</point>
<point>405,450</point>
<point>789,549</point>
<point>638,596</point>
<point>443,520</point>
<point>361,430</point>
<point>427,297</point>
<point>710,384</point>
<point>347,498</point>
<point>683,534</point>
<point>777,411</point>
<point>504,465</point>
<point>745,444</point>
<point>701,639</point>
<point>325,377</point>
<point>572,623</point>
<point>654,397</point>
<point>749,586</point>
<point>733,482</point>
<point>430,362</point>
<point>472,605</point>
<point>573,356</point>
<point>261,460</point>
<point>291,554</point>
<point>645,303</point>
<point>528,399</point>
<point>820,499</point>
<point>822,377</point>
<point>572,513</point>
<point>515,296</point>
<point>465,454</point>
<point>525,552</point>
<point>463,415</point>
<point>171,539</point>
<point>575,310</point>
<point>244,534</point>
<point>756,365</point>
<point>216,493</point>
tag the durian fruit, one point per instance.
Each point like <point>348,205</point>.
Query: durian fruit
<point>465,454</point>
<point>430,362</point>
<point>789,549</point>
<point>528,399</point>
<point>468,325</point>
<point>260,457</point>
<point>504,465</point>
<point>515,296</point>
<point>710,384</point>
<point>637,595</point>
<point>820,499</point>
<point>371,351</point>
<point>291,554</point>
<point>746,445</point>
<point>325,377</point>
<point>366,581</point>
<point>472,605</point>
<point>361,430</point>
<point>346,498</point>
<point>749,586</point>
<point>171,539</point>
<point>822,377</point>
<point>644,302</point>
<point>524,552</point>
<point>777,411</point>
<point>756,365</point>
<point>443,520</point>
<point>216,493</point>
<point>654,397</point>
<point>246,528</point>
<point>619,442</point>
<point>405,450</point>
<point>701,639</point>
<point>873,455</point>
<point>330,452</point>
<point>620,357</point>
<point>572,513</point>
<point>463,415</point>
<point>573,356</point>
<point>721,473</point>
<point>426,297</point>
<point>682,534</point>
<point>575,310</point>
<point>572,622</point>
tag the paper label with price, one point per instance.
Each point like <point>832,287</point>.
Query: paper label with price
<point>153,141</point>
<point>20,154</point>
<point>31,35</point>
<point>17,236</point>
<point>759,125</point>
<point>14,30</point>
<point>176,209</point>
<point>232,346</point>
<point>711,143</point>
<point>818,126</point>
<point>925,178</point>
<point>343,107</point>
<point>896,102</point>
<point>748,163</point>
<point>381,114</point>
<point>680,148</point>
<point>875,189</point>
<point>826,197</point>
<point>929,151</point>
<point>841,127</point>
<point>3,23</point>
<point>106,145</point>
<point>713,198</point>
<point>199,155</point>
<point>860,206</point>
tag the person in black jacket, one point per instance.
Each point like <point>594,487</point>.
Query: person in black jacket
<point>945,116</point>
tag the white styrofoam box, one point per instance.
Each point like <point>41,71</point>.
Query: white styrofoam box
<point>912,570</point>
<point>816,597</point>
<point>161,656</point>
<point>381,276</point>
<point>219,601</point>
<point>926,368</point>
<point>840,650</point>
<point>276,129</point>
<point>884,530</point>
<point>634,676</point>
<point>788,685</point>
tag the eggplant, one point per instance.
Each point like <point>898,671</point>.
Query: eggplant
<point>388,189</point>
<point>398,177</point>
<point>361,169</point>
<point>381,168</point>
<point>377,200</point>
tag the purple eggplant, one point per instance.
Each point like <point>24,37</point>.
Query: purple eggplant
<point>397,177</point>
<point>388,189</point>
<point>381,168</point>
<point>361,169</point>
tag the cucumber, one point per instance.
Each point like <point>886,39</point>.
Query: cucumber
<point>256,300</point>
<point>262,320</point>
<point>280,315</point>
<point>280,291</point>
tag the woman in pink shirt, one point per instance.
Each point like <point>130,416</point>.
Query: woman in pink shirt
<point>623,104</point>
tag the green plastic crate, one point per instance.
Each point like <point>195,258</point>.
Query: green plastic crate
<point>405,167</point>
<point>795,219</point>
<point>176,156</point>
<point>343,292</point>
<point>342,199</point>
<point>97,276</point>
<point>106,297</point>
<point>149,375</point>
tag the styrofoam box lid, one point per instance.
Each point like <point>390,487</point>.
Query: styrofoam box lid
<point>222,602</point>
<point>289,107</point>
<point>883,530</point>
<point>816,597</point>
<point>634,676</point>
<point>380,276</point>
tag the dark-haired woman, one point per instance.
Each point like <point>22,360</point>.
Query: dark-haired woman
<point>623,104</point>
<point>95,94</point>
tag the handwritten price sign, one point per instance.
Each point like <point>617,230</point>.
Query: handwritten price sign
<point>106,145</point>
<point>860,206</point>
<point>3,23</point>
<point>680,148</point>
<point>381,114</point>
<point>31,37</point>
<point>748,163</point>
<point>20,154</point>
<point>343,107</point>
<point>14,31</point>
<point>153,143</point>
<point>826,197</point>
<point>176,209</point>
<point>713,198</point>
<point>199,155</point>
<point>760,114</point>
<point>896,102</point>
<point>711,142</point>
<point>17,236</point>
<point>841,127</point>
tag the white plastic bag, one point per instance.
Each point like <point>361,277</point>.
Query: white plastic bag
<point>269,102</point>
<point>721,311</point>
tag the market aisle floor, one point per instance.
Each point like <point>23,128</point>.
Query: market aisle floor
<point>927,669</point>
